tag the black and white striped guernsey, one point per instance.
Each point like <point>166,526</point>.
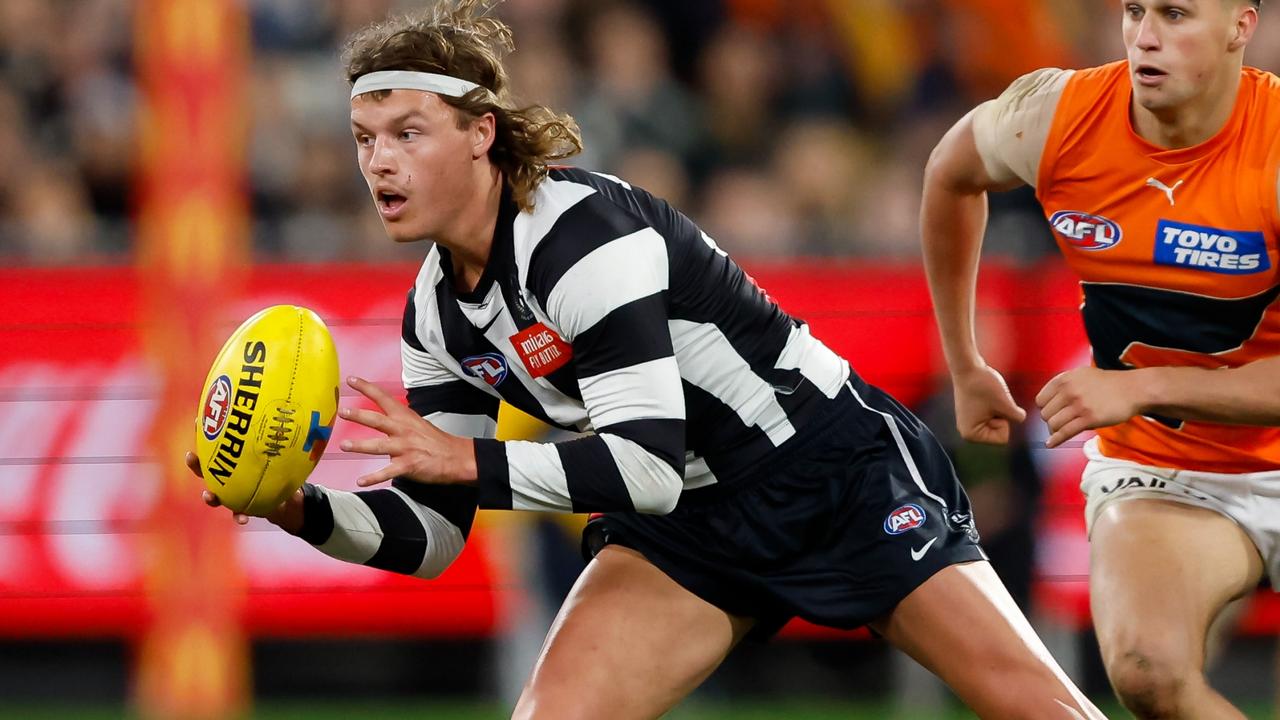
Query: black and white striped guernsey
<point>602,311</point>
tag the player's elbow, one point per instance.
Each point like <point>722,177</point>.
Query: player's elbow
<point>659,492</point>
<point>954,164</point>
<point>434,569</point>
<point>661,498</point>
<point>444,544</point>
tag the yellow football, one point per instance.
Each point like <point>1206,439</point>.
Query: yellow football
<point>268,408</point>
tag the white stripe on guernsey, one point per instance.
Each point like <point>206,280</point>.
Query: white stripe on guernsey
<point>419,369</point>
<point>708,360</point>
<point>643,391</point>
<point>629,268</point>
<point>436,366</point>
<point>558,406</point>
<point>444,539</point>
<point>357,535</point>
<point>614,178</point>
<point>814,360</point>
<point>696,472</point>
<point>472,426</point>
<point>551,199</point>
<point>537,477</point>
<point>902,447</point>
<point>653,486</point>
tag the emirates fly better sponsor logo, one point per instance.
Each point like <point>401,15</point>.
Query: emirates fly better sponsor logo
<point>1085,231</point>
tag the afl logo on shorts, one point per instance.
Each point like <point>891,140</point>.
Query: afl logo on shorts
<point>1084,231</point>
<point>907,517</point>
<point>217,405</point>
<point>489,367</point>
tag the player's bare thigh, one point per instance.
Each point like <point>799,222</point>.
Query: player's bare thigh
<point>1161,571</point>
<point>629,642</point>
<point>963,625</point>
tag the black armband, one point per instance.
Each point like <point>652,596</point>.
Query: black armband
<point>317,515</point>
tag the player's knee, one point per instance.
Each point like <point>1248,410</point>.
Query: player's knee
<point>1149,686</point>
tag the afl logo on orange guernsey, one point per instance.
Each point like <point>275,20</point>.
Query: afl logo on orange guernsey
<point>217,404</point>
<point>1085,231</point>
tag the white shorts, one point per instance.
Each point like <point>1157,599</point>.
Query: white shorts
<point>1252,500</point>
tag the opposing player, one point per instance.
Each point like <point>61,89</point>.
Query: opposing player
<point>744,474</point>
<point>1159,178</point>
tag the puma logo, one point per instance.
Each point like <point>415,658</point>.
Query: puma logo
<point>1168,191</point>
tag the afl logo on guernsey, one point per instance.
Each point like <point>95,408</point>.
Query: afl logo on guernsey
<point>907,517</point>
<point>1085,231</point>
<point>217,405</point>
<point>489,367</point>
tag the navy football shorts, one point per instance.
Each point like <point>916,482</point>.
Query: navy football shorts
<point>838,527</point>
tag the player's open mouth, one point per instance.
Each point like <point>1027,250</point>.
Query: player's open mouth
<point>390,204</point>
<point>1150,74</point>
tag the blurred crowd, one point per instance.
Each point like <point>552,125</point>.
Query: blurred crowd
<point>786,128</point>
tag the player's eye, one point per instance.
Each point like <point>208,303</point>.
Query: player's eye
<point>1133,11</point>
<point>364,140</point>
<point>1174,14</point>
<point>407,135</point>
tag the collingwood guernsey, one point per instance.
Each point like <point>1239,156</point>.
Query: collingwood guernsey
<point>605,312</point>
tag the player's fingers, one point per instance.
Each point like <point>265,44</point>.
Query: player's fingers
<point>193,464</point>
<point>373,446</point>
<point>1068,431</point>
<point>994,431</point>
<point>390,405</point>
<point>210,499</point>
<point>368,418</point>
<point>1059,420</point>
<point>241,518</point>
<point>1053,406</point>
<point>1009,410</point>
<point>389,472</point>
<point>1049,390</point>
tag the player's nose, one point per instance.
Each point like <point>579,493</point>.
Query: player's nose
<point>1147,38</point>
<point>382,160</point>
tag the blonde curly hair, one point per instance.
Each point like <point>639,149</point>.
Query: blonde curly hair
<point>459,38</point>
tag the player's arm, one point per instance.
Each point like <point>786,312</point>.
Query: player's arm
<point>997,146</point>
<point>409,528</point>
<point>1088,398</point>
<point>610,305</point>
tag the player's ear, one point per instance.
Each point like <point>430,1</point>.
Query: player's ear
<point>1242,32</point>
<point>483,131</point>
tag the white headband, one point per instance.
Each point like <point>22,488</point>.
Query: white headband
<point>411,80</point>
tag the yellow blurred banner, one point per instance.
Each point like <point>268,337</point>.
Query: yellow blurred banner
<point>192,58</point>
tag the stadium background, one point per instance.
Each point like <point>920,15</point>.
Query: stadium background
<point>169,166</point>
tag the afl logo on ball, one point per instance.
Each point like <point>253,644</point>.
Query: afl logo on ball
<point>905,518</point>
<point>217,405</point>
<point>489,367</point>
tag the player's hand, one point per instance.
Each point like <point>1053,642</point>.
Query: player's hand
<point>985,411</point>
<point>418,450</point>
<point>1086,398</point>
<point>288,515</point>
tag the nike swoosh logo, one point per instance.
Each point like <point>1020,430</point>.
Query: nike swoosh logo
<point>917,554</point>
<point>488,325</point>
